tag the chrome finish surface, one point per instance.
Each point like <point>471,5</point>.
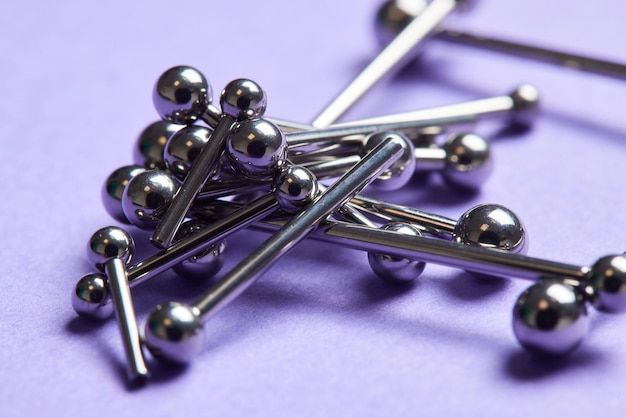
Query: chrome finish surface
<point>400,172</point>
<point>110,249</point>
<point>256,148</point>
<point>91,299</point>
<point>492,226</point>
<point>253,266</point>
<point>540,53</point>
<point>183,148</point>
<point>608,279</point>
<point>239,99</point>
<point>394,15</point>
<point>181,95</point>
<point>113,191</point>
<point>520,107</point>
<point>295,188</point>
<point>550,317</point>
<point>147,196</point>
<point>397,53</point>
<point>173,332</point>
<point>468,161</point>
<point>109,242</point>
<point>204,264</point>
<point>136,368</point>
<point>148,151</point>
<point>396,269</point>
<point>481,260</point>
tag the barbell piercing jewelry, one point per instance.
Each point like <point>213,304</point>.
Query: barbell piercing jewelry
<point>607,275</point>
<point>548,319</point>
<point>110,249</point>
<point>394,15</point>
<point>295,187</point>
<point>173,332</point>
<point>397,53</point>
<point>240,99</point>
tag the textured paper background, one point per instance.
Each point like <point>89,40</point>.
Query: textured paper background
<point>318,335</point>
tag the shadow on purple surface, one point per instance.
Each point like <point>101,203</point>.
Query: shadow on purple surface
<point>465,286</point>
<point>524,366</point>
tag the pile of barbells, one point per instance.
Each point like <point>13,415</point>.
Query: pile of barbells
<point>203,173</point>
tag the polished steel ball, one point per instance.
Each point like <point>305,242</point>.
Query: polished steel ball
<point>107,243</point>
<point>396,269</point>
<point>525,106</point>
<point>256,148</point>
<point>550,317</point>
<point>151,144</point>
<point>204,265</point>
<point>113,190</point>
<point>401,171</point>
<point>243,99</point>
<point>295,188</point>
<point>181,95</point>
<point>183,148</point>
<point>608,280</point>
<point>147,196</point>
<point>174,333</point>
<point>90,297</point>
<point>468,161</point>
<point>491,226</point>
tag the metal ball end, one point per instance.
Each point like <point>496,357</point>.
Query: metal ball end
<point>550,318</point>
<point>525,106</point>
<point>204,265</point>
<point>400,172</point>
<point>151,143</point>
<point>183,148</point>
<point>468,161</point>
<point>181,95</point>
<point>256,148</point>
<point>113,190</point>
<point>243,99</point>
<point>393,16</point>
<point>147,196</point>
<point>90,297</point>
<point>295,188</point>
<point>396,269</point>
<point>608,280</point>
<point>491,226</point>
<point>174,333</point>
<point>107,243</point>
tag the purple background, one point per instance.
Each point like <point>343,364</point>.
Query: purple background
<point>318,335</point>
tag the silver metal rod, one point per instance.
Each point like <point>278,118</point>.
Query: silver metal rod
<point>478,259</point>
<point>466,112</point>
<point>200,170</point>
<point>546,55</point>
<point>136,368</point>
<point>430,250</point>
<point>279,244</point>
<point>397,53</point>
<point>368,126</point>
<point>212,117</point>
<point>430,222</point>
<point>200,241</point>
